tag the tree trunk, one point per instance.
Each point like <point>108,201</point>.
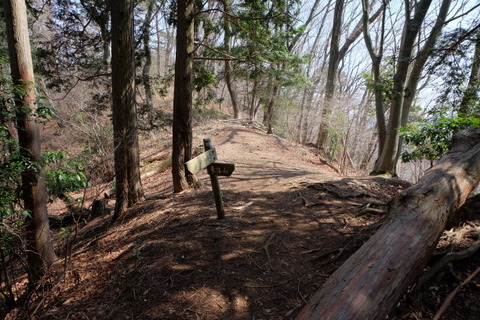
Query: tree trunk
<point>470,96</point>
<point>253,109</point>
<point>38,240</point>
<point>146,78</point>
<point>387,159</point>
<point>228,67</point>
<point>376,62</point>
<point>270,107</point>
<point>417,68</point>
<point>371,282</point>
<point>128,187</point>
<point>331,73</point>
<point>182,100</point>
<point>158,49</point>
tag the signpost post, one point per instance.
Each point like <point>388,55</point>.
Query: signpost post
<point>207,160</point>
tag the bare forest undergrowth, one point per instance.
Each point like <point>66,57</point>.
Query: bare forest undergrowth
<point>291,220</point>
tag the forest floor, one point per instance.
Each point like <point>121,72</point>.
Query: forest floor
<point>291,220</point>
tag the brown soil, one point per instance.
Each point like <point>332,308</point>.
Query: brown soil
<point>291,220</point>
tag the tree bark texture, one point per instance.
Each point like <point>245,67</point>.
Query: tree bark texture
<point>128,187</point>
<point>182,96</point>
<point>371,282</point>
<point>38,240</point>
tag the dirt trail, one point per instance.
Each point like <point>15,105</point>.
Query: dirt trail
<point>266,164</point>
<point>290,222</point>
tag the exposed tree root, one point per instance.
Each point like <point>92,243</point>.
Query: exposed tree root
<point>338,254</point>
<point>453,256</point>
<point>266,286</point>
<point>367,209</point>
<point>265,247</point>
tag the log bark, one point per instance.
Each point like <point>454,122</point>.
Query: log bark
<point>372,281</point>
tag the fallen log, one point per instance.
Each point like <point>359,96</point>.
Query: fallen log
<point>374,279</point>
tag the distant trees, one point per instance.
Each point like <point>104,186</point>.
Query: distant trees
<point>336,55</point>
<point>128,188</point>
<point>263,36</point>
<point>254,58</point>
<point>38,240</point>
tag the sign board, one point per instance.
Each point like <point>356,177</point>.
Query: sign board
<point>201,161</point>
<point>221,169</point>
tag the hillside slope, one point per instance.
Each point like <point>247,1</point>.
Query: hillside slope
<point>290,222</point>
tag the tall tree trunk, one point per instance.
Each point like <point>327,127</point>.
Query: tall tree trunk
<point>372,281</point>
<point>228,68</point>
<point>182,100</point>
<point>148,63</point>
<point>331,73</point>
<point>303,111</point>
<point>417,68</point>
<point>387,160</point>
<point>376,62</point>
<point>128,187</point>
<point>169,47</point>
<point>471,93</point>
<point>157,34</point>
<point>39,244</point>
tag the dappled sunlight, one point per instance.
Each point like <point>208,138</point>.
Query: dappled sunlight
<point>286,228</point>
<point>235,254</point>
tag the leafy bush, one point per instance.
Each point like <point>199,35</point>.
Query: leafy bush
<point>432,140</point>
<point>63,173</point>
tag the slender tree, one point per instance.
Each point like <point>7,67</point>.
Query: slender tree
<point>39,244</point>
<point>147,54</point>
<point>376,55</point>
<point>405,80</point>
<point>332,71</point>
<point>228,66</point>
<point>337,54</point>
<point>128,187</point>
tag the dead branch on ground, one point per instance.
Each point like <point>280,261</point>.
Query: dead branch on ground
<point>452,295</point>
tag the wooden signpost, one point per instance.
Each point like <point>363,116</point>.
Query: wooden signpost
<point>207,160</point>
